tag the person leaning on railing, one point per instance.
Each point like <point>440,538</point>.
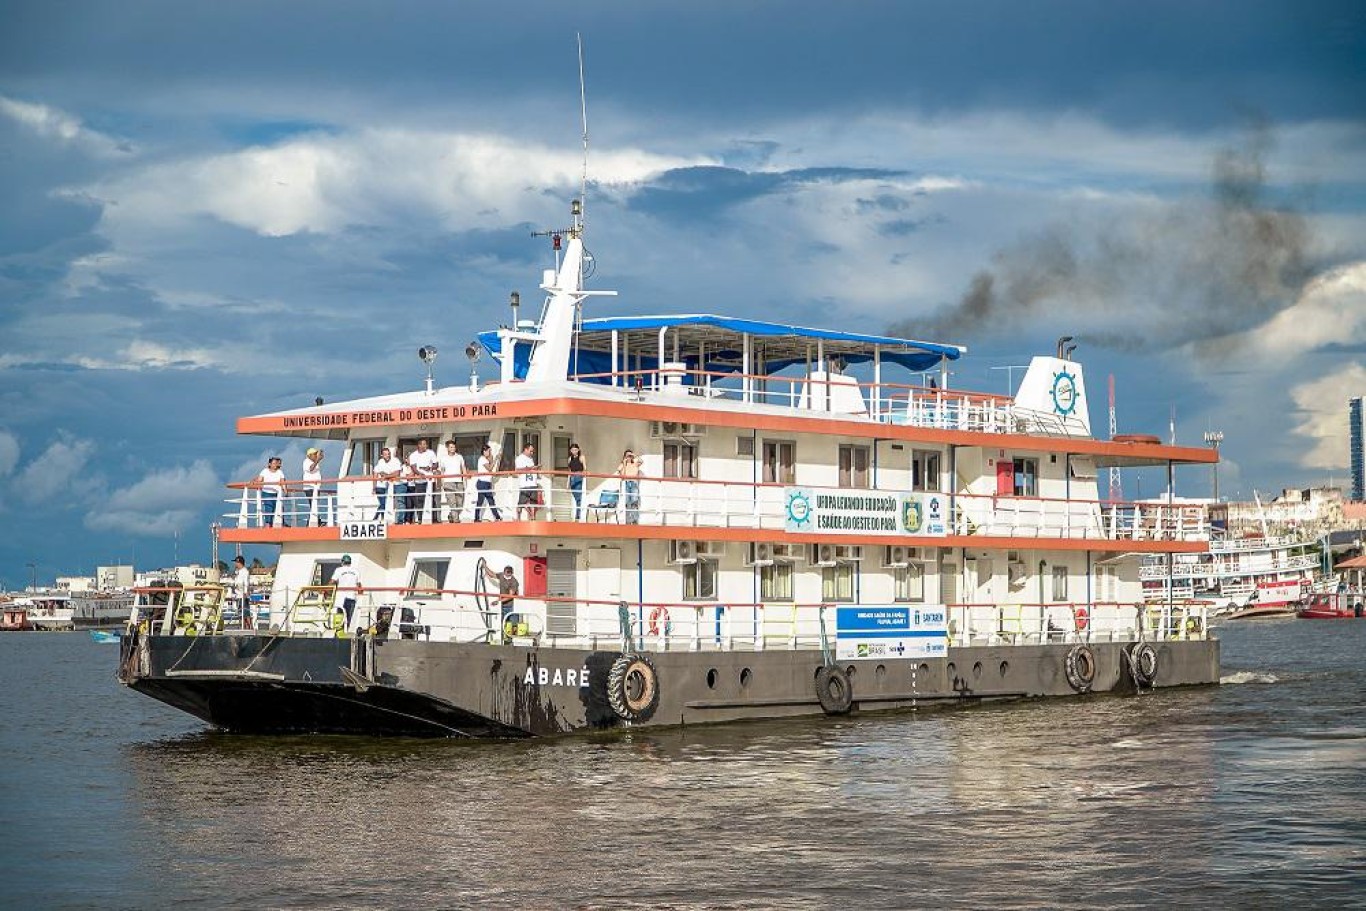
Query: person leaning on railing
<point>387,471</point>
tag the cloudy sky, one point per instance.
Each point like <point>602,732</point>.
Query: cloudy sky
<point>213,210</point>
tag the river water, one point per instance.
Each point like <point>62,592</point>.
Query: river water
<point>1251,794</point>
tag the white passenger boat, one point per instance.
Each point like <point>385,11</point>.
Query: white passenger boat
<point>1239,572</point>
<point>808,531</point>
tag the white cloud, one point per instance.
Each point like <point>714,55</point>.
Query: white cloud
<point>1323,415</point>
<point>322,182</point>
<point>161,502</point>
<point>58,475</point>
<point>51,123</point>
<point>137,355</point>
<point>1331,309</point>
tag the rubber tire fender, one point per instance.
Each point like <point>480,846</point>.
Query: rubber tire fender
<point>1080,668</point>
<point>633,688</point>
<point>834,689</point>
<point>1143,665</point>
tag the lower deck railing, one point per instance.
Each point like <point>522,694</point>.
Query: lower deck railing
<point>483,617</point>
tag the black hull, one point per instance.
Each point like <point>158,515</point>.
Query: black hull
<point>262,684</point>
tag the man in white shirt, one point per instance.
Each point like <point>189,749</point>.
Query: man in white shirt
<point>312,476</point>
<point>453,471</point>
<point>387,471</point>
<point>425,465</point>
<point>529,496</point>
<point>271,479</point>
<point>347,581</point>
<point>241,588</point>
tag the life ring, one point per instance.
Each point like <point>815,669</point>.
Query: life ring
<point>834,690</point>
<point>1080,668</point>
<point>1143,665</point>
<point>659,619</point>
<point>1081,617</point>
<point>633,688</point>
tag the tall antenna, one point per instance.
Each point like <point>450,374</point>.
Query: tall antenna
<point>1116,485</point>
<point>583,112</point>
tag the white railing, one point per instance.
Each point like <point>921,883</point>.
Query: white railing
<point>479,617</point>
<point>691,503</point>
<point>888,403</point>
<point>1217,569</point>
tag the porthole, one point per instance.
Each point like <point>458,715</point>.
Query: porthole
<point>880,672</point>
<point>711,679</point>
<point>1005,668</point>
<point>745,676</point>
<point>977,671</point>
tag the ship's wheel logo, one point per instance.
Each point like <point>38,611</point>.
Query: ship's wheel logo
<point>1064,393</point>
<point>798,508</point>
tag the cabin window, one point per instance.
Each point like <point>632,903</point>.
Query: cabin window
<point>560,457</point>
<point>780,462</point>
<point>406,445</point>
<point>744,445</point>
<point>1060,583</point>
<point>364,455</point>
<point>428,575</point>
<point>925,470</point>
<point>1026,477</point>
<point>854,462</point>
<point>680,459</point>
<point>323,570</point>
<point>699,580</point>
<point>775,581</point>
<point>909,583</point>
<point>837,582</point>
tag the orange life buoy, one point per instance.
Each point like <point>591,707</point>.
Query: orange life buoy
<point>659,619</point>
<point>1081,617</point>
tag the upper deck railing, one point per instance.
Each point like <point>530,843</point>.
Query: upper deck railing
<point>839,394</point>
<point>689,503</point>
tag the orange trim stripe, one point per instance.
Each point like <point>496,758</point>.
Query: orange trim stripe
<point>608,531</point>
<point>338,423</point>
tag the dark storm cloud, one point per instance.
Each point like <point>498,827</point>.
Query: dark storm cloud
<point>1161,62</point>
<point>703,192</point>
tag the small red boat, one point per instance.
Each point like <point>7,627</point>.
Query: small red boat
<point>1338,606</point>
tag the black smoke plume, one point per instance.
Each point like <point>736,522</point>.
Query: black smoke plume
<point>1196,270</point>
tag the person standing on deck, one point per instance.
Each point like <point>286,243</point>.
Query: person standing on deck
<point>271,480</point>
<point>387,471</point>
<point>312,476</point>
<point>453,473</point>
<point>347,581</point>
<point>576,470</point>
<point>241,588</point>
<point>425,465</point>
<point>508,589</point>
<point>483,486</point>
<point>630,472</point>
<point>529,496</point>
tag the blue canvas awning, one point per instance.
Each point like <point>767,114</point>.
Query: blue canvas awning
<point>780,345</point>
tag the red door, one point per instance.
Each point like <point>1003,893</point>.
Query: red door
<point>1005,478</point>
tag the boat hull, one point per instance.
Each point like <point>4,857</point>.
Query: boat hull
<point>260,684</point>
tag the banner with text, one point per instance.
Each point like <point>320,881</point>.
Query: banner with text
<point>854,512</point>
<point>891,631</point>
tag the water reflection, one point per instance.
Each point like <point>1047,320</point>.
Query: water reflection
<point>1243,795</point>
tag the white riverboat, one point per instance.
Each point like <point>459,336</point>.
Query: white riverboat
<point>1256,573</point>
<point>807,530</point>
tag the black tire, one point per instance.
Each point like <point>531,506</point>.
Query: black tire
<point>834,690</point>
<point>1143,665</point>
<point>1080,668</point>
<point>633,688</point>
